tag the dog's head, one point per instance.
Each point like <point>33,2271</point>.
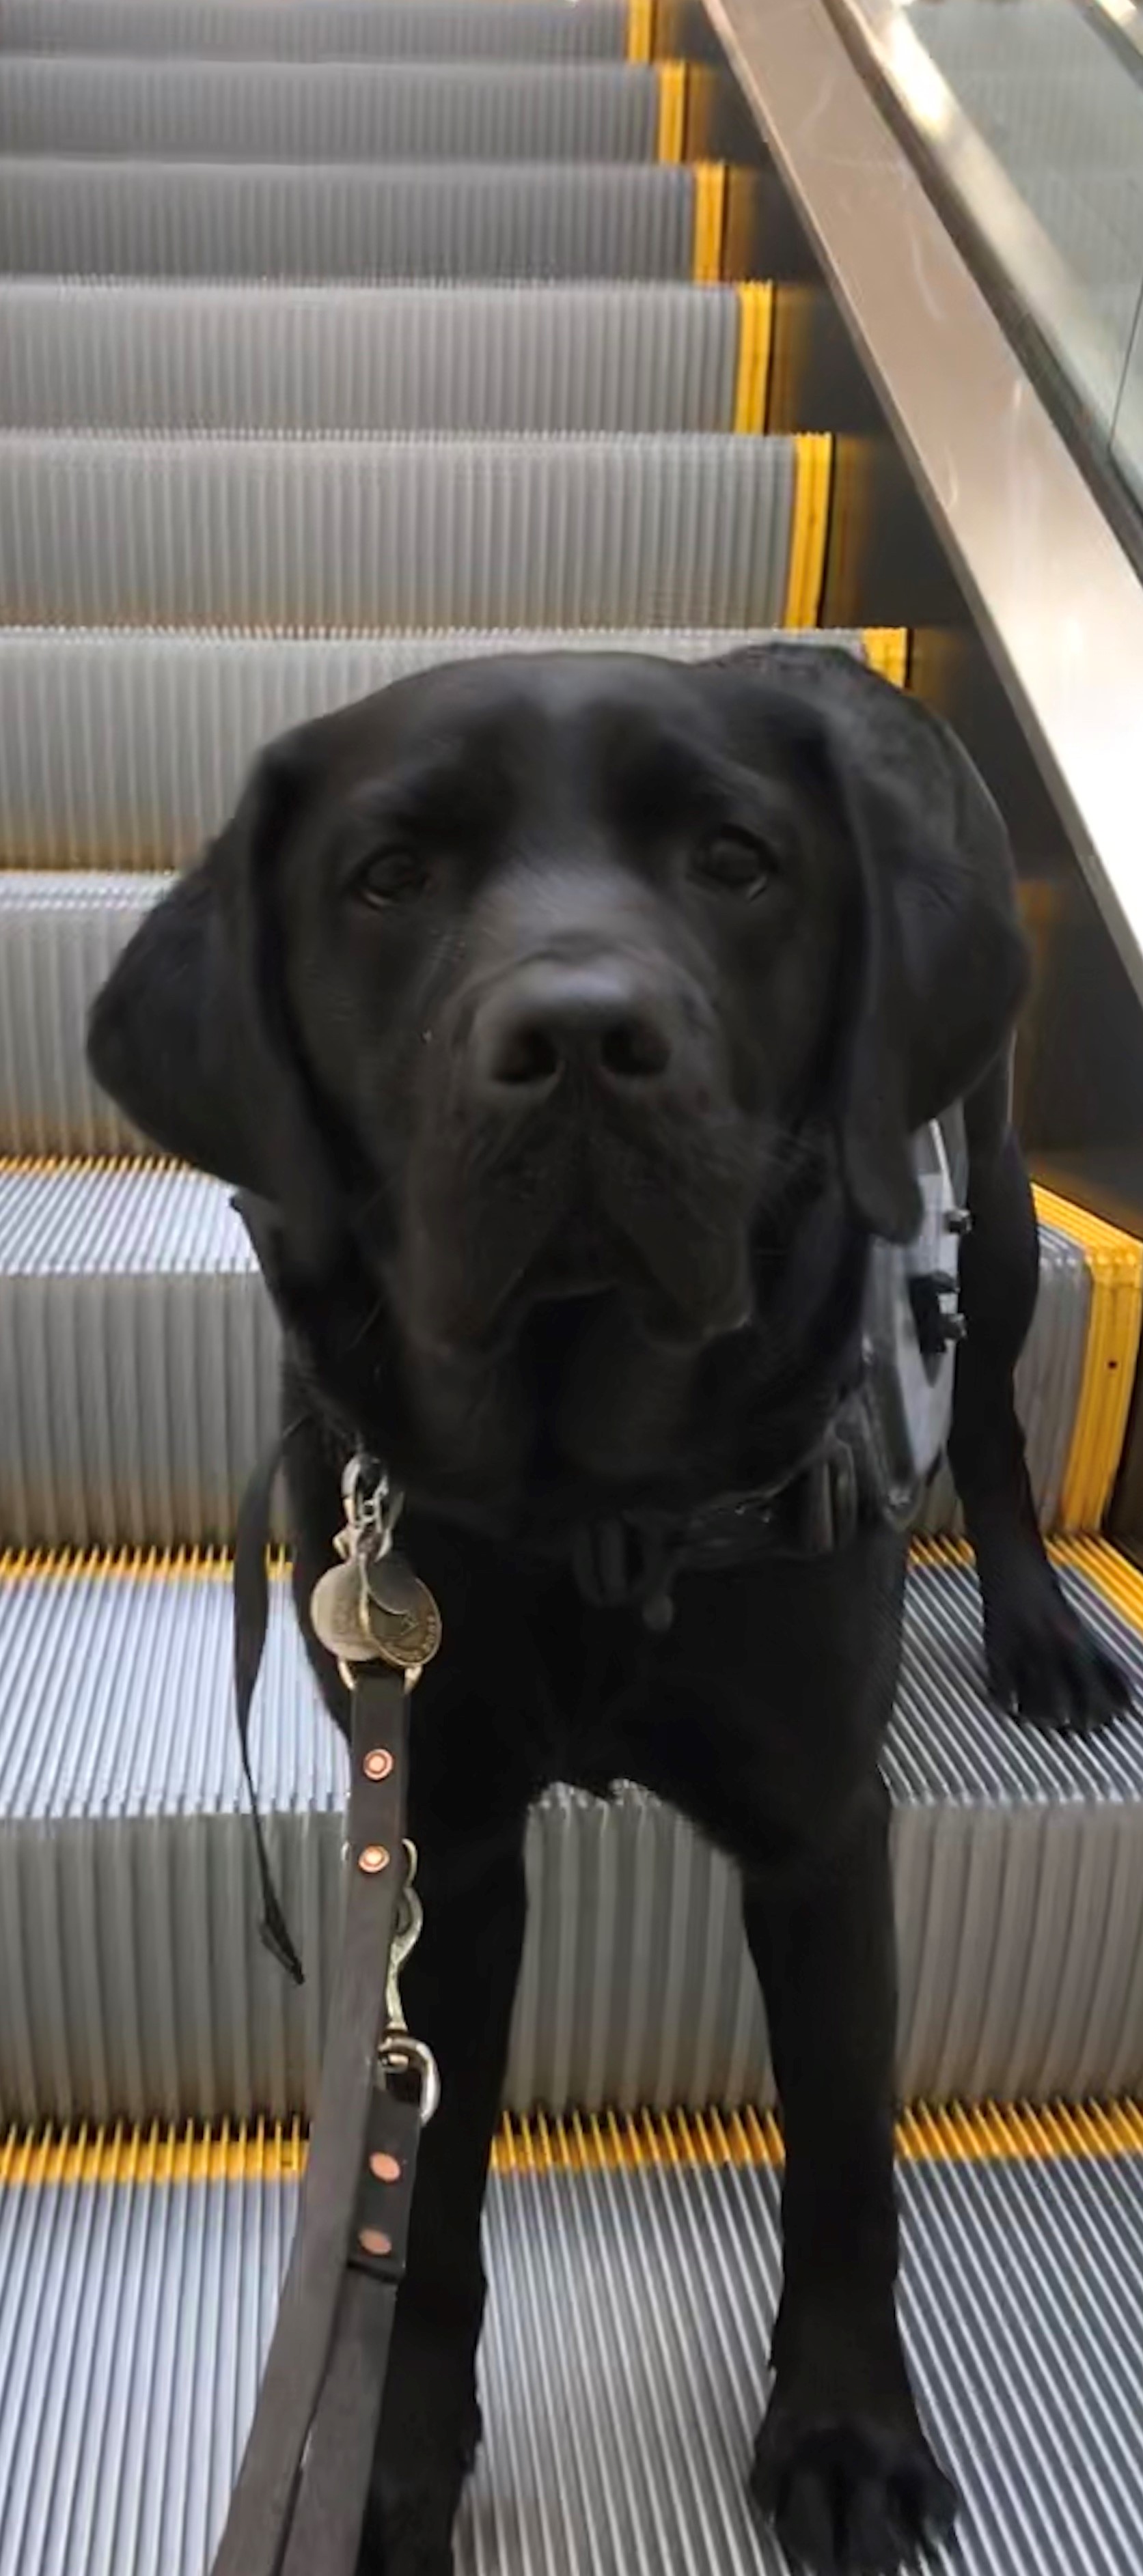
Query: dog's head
<point>537,977</point>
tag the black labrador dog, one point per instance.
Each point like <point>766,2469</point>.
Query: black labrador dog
<point>570,1016</point>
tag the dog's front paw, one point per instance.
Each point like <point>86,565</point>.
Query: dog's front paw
<point>851,2494</point>
<point>1044,1665</point>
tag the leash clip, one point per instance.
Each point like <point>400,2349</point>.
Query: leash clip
<point>398,2052</point>
<point>373,1506</point>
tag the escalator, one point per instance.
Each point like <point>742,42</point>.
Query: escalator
<point>340,337</point>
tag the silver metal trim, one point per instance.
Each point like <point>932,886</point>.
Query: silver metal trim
<point>1055,597</point>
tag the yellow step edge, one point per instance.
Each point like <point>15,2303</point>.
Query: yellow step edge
<point>887,651</point>
<point>640,31</point>
<point>813,466</point>
<point>21,1166</point>
<point>752,375</point>
<point>672,133</point>
<point>275,2151</point>
<point>1104,1565</point>
<point>710,183</point>
<point>1115,1267</point>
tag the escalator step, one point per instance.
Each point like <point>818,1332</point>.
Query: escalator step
<point>139,1274</point>
<point>121,218</point>
<point>624,2359</point>
<point>127,750</point>
<point>336,358</point>
<point>325,30</point>
<point>136,1982</point>
<point>363,532</point>
<point>330,111</point>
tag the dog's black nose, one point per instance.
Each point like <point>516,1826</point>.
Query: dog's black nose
<point>605,1017</point>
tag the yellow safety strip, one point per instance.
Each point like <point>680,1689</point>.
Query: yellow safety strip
<point>752,380</point>
<point>1115,1266</point>
<point>812,471</point>
<point>265,2151</point>
<point>139,1564</point>
<point>887,651</point>
<point>672,111</point>
<point>640,30</point>
<point>1112,1574</point>
<point>1103,1565</point>
<point>709,179</point>
<point>21,1166</point>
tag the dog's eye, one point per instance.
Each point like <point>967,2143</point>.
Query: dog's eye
<point>391,876</point>
<point>736,863</point>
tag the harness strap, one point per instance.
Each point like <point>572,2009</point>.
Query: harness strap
<point>351,2214</point>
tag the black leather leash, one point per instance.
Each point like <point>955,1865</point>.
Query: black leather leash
<point>299,2501</point>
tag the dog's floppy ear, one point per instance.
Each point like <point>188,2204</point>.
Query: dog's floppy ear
<point>935,961</point>
<point>189,1034</point>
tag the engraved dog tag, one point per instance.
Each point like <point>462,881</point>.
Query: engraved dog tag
<point>408,1633</point>
<point>337,1608</point>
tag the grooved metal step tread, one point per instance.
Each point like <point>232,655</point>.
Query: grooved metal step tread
<point>368,532</point>
<point>624,2359</point>
<point>341,358</point>
<point>139,1276</point>
<point>136,1983</point>
<point>322,111</point>
<point>70,216</point>
<point>126,750</point>
<point>321,30</point>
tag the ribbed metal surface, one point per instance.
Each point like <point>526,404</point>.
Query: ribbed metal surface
<point>323,30</point>
<point>127,751</point>
<point>1048,1382</point>
<point>70,217</point>
<point>524,358</point>
<point>195,220</point>
<point>326,111</point>
<point>623,2365</point>
<point>189,1309</point>
<point>138,1356</point>
<point>135,1982</point>
<point>59,936</point>
<point>370,532</point>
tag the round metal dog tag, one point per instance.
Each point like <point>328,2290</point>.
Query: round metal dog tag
<point>409,1636</point>
<point>392,1584</point>
<point>337,1609</point>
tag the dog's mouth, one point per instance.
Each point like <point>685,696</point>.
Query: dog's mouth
<point>663,1233</point>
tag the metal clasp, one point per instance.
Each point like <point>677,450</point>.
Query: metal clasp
<point>399,2053</point>
<point>372,1506</point>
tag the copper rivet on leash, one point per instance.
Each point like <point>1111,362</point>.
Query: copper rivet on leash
<point>372,2241</point>
<point>377,1765</point>
<point>373,1858</point>
<point>385,2168</point>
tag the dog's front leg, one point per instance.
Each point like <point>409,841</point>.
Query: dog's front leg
<point>1042,1662</point>
<point>458,1990</point>
<point>842,2463</point>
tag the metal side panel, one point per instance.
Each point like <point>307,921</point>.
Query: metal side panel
<point>139,1276</point>
<point>127,750</point>
<point>1049,1382</point>
<point>122,218</point>
<point>274,111</point>
<point>623,2365</point>
<point>361,533</point>
<point>337,358</point>
<point>343,30</point>
<point>135,1983</point>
